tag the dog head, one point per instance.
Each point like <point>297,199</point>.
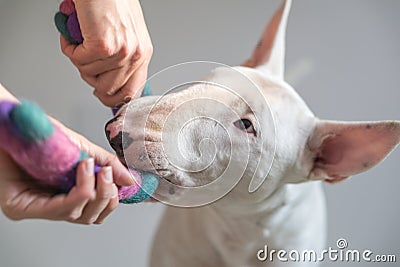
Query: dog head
<point>245,128</point>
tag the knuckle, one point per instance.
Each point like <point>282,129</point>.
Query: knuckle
<point>105,49</point>
<point>84,70</point>
<point>86,78</point>
<point>113,204</point>
<point>142,55</point>
<point>85,222</point>
<point>10,209</point>
<point>149,51</point>
<point>73,215</point>
<point>11,213</point>
<point>84,195</point>
<point>110,193</point>
<point>140,52</point>
<point>100,91</point>
<point>105,195</point>
<point>114,200</point>
<point>91,220</point>
<point>63,50</point>
<point>99,94</point>
<point>125,51</point>
<point>74,61</point>
<point>145,52</point>
<point>83,76</point>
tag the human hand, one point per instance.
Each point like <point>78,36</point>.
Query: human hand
<point>21,197</point>
<point>116,49</point>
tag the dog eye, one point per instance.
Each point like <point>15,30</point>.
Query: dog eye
<point>244,125</point>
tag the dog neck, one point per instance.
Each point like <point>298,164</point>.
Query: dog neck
<point>274,193</point>
<point>238,219</point>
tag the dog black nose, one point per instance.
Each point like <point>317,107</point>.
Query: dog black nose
<point>116,144</point>
<point>120,142</point>
<point>110,122</point>
<point>118,139</point>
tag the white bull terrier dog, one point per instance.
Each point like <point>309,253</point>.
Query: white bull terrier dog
<point>254,155</point>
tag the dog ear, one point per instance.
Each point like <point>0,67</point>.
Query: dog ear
<point>270,51</point>
<point>342,149</point>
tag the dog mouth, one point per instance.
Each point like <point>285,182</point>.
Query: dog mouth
<point>120,141</point>
<point>161,173</point>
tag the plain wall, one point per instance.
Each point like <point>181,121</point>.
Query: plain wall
<point>342,57</point>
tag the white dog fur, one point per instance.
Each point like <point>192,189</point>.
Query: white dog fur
<point>288,210</point>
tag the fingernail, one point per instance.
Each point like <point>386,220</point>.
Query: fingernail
<point>107,177</point>
<point>127,99</point>
<point>89,166</point>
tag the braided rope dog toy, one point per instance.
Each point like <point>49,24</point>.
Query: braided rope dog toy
<point>43,150</point>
